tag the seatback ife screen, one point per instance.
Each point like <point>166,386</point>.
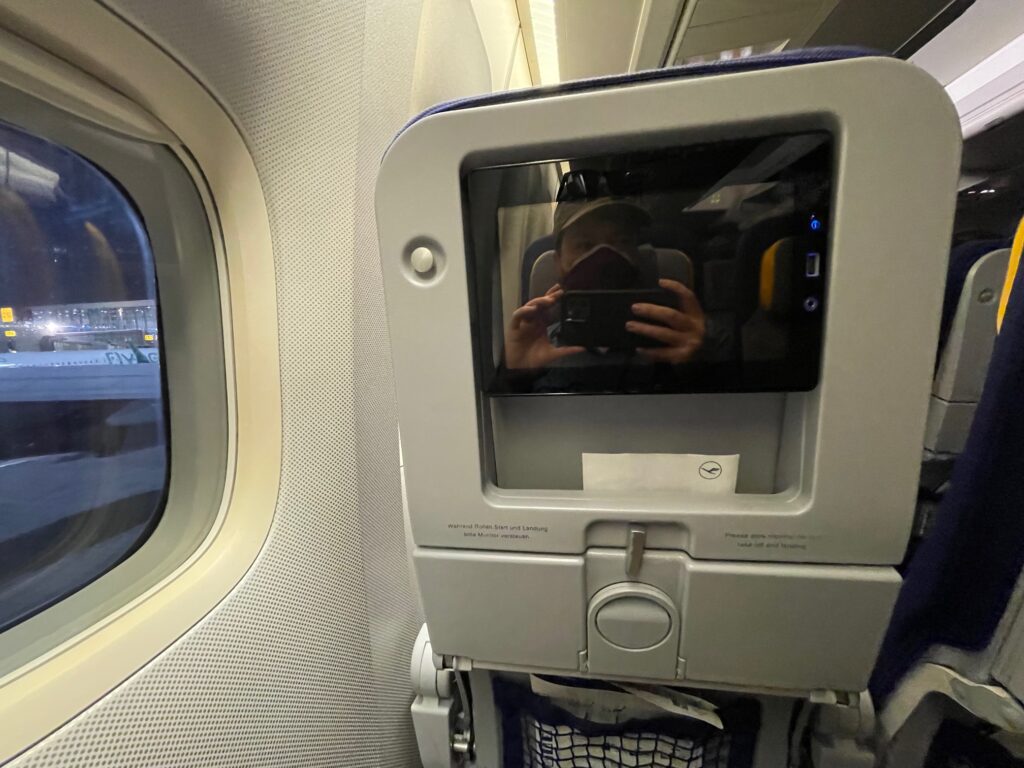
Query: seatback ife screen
<point>696,268</point>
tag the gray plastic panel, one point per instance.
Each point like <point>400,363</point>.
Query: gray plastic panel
<point>790,627</point>
<point>514,609</point>
<point>539,440</point>
<point>633,622</point>
<point>948,425</point>
<point>633,628</point>
<point>964,362</point>
<point>963,366</point>
<point>785,626</point>
<point>849,452</point>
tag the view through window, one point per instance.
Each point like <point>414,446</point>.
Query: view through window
<point>83,443</point>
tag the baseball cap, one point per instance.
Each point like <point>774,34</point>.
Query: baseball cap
<point>568,213</point>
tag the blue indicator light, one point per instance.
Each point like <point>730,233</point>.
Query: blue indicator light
<point>816,224</point>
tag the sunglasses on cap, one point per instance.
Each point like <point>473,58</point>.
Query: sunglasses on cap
<point>582,185</point>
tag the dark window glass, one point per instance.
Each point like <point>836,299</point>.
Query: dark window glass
<point>83,441</point>
<point>698,268</point>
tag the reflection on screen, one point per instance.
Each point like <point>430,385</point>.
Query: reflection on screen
<point>690,269</point>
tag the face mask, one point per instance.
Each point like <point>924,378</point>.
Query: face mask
<point>602,268</point>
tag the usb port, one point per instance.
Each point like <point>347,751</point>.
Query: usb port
<point>813,264</point>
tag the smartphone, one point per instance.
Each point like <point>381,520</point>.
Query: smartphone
<point>598,318</point>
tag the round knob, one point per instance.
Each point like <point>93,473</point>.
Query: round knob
<point>634,622</point>
<point>422,260</point>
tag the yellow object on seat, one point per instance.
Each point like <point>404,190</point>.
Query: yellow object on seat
<point>1011,273</point>
<point>767,285</point>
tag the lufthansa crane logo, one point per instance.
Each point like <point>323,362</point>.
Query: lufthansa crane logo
<point>710,470</point>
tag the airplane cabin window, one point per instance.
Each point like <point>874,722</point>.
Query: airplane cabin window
<point>84,443</point>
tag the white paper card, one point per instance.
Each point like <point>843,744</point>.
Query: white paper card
<point>697,472</point>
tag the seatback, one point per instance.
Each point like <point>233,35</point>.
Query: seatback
<point>975,280</point>
<point>957,586</point>
<point>806,544</point>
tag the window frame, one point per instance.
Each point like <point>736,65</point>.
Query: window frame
<point>112,73</point>
<point>195,399</point>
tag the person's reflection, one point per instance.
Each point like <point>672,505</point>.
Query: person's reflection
<point>597,247</point>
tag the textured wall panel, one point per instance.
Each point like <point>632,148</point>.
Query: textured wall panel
<point>306,662</point>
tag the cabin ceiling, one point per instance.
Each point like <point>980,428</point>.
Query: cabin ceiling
<point>600,37</point>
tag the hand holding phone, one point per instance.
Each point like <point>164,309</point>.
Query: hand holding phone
<point>680,327</point>
<point>665,324</point>
<point>527,343</point>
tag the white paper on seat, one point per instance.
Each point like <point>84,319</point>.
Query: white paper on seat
<point>702,473</point>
